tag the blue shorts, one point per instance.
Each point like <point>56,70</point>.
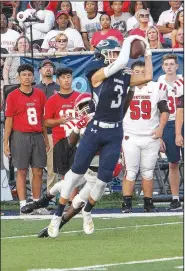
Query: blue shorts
<point>172,150</point>
<point>106,141</point>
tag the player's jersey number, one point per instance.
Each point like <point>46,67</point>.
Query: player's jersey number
<point>117,103</point>
<point>172,104</point>
<point>140,109</point>
<point>32,116</point>
<point>71,113</point>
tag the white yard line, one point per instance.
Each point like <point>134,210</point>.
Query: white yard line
<point>103,229</point>
<point>119,215</point>
<point>103,266</point>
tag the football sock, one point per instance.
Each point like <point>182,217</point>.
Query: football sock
<point>22,203</point>
<point>148,201</point>
<point>128,201</point>
<point>60,209</point>
<point>88,208</point>
<point>175,197</point>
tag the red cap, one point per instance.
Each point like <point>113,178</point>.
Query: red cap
<point>60,12</point>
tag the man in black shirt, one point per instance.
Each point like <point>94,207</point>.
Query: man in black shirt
<point>157,7</point>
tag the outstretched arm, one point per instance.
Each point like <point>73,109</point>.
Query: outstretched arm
<point>118,64</point>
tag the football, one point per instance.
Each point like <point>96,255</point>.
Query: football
<point>137,49</point>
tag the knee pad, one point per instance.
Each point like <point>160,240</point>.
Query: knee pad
<point>130,175</point>
<point>56,188</point>
<point>71,180</point>
<point>98,190</point>
<point>147,175</point>
<point>78,202</point>
<point>85,192</point>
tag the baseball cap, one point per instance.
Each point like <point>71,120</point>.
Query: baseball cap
<point>46,61</point>
<point>60,12</point>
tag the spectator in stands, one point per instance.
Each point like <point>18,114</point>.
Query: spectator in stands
<point>179,23</point>
<point>153,37</point>
<point>11,64</point>
<point>15,7</point>
<point>67,6</point>
<point>49,87</point>
<point>143,19</point>
<point>49,5</point>
<point>167,20</point>
<point>106,33</point>
<point>2,59</point>
<point>79,9</point>
<point>91,23</point>
<point>61,43</point>
<point>134,7</point>
<point>156,8</point>
<point>179,38</point>
<point>63,25</point>
<point>119,18</point>
<point>8,36</point>
<point>45,22</point>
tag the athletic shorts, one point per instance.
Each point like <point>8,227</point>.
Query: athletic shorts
<point>63,156</point>
<point>28,149</point>
<point>172,150</point>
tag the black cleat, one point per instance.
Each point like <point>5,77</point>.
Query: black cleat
<point>175,205</point>
<point>126,209</point>
<point>30,207</point>
<point>150,208</point>
<point>43,233</point>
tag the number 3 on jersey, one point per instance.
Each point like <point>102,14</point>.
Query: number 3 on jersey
<point>140,109</point>
<point>119,90</point>
<point>32,116</point>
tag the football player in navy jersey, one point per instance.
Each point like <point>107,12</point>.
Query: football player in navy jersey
<point>104,132</point>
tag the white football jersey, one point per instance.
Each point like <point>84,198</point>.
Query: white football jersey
<point>179,87</point>
<point>172,95</point>
<point>143,115</point>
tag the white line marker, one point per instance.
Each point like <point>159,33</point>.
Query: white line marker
<point>179,267</point>
<point>120,215</point>
<point>103,229</point>
<point>95,267</point>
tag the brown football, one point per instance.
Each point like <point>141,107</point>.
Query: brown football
<point>137,49</point>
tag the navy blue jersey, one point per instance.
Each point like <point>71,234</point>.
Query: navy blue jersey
<point>109,96</point>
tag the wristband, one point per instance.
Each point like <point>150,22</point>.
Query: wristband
<point>148,52</point>
<point>76,130</point>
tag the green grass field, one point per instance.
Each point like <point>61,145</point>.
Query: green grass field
<point>124,244</point>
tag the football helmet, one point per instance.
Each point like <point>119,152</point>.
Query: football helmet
<point>106,50</point>
<point>82,104</point>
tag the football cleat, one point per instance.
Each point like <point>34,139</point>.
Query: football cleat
<point>43,233</point>
<point>175,205</point>
<point>88,225</point>
<point>29,207</point>
<point>53,228</point>
<point>126,209</point>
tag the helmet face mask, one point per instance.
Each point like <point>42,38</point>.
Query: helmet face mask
<point>107,50</point>
<point>82,104</point>
<point>83,109</point>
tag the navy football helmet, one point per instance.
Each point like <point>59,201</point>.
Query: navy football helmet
<point>105,50</point>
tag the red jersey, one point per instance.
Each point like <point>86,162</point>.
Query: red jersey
<point>98,36</point>
<point>27,111</point>
<point>57,106</point>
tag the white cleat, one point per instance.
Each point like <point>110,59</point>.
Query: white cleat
<point>88,225</point>
<point>53,228</point>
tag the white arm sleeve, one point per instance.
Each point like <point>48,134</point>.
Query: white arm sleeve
<point>122,59</point>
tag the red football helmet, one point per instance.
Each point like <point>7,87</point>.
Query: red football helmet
<point>82,104</point>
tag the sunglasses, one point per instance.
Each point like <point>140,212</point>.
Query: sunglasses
<point>144,15</point>
<point>61,41</point>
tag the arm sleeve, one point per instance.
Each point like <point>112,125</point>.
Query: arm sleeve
<point>163,106</point>
<point>121,60</point>
<point>180,102</point>
<point>48,23</point>
<point>9,109</point>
